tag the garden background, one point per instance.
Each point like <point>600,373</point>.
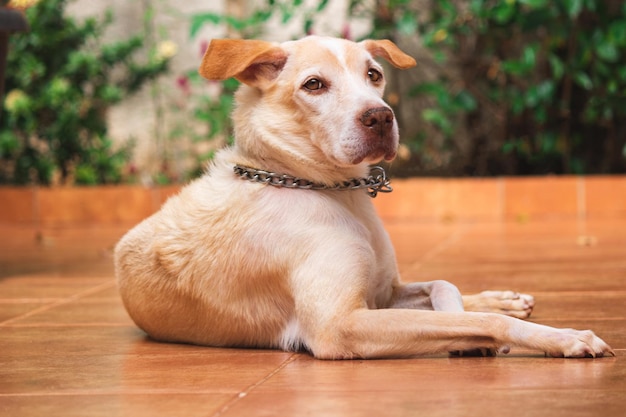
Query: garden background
<point>106,92</point>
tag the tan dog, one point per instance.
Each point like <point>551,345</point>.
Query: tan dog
<point>255,259</point>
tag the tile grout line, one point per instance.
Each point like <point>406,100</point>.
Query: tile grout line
<point>581,207</point>
<point>501,199</point>
<point>67,325</point>
<point>100,393</point>
<point>437,249</point>
<point>229,404</point>
<point>64,301</point>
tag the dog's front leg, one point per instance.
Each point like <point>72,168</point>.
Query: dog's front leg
<point>336,323</point>
<point>366,333</point>
<point>439,296</point>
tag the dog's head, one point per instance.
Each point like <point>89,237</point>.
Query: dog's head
<point>318,99</point>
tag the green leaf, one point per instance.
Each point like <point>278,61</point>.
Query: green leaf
<point>199,20</point>
<point>477,7</point>
<point>503,12</point>
<point>558,69</point>
<point>545,90</point>
<point>535,4</point>
<point>440,57</point>
<point>466,101</point>
<point>583,80</point>
<point>9,143</point>
<point>517,104</point>
<point>439,119</point>
<point>532,97</point>
<point>322,5</point>
<point>573,7</point>
<point>608,52</point>
<point>407,24</point>
<point>529,56</point>
<point>514,67</point>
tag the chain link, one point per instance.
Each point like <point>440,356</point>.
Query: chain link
<point>375,183</point>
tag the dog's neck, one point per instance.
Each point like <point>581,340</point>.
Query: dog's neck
<point>314,168</point>
<point>376,182</point>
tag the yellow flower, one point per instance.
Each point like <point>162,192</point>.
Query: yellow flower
<point>440,35</point>
<point>166,50</point>
<point>15,100</point>
<point>22,4</point>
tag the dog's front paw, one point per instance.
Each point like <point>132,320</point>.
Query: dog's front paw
<point>509,303</point>
<point>579,344</point>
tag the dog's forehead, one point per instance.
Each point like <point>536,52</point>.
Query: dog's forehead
<point>318,50</point>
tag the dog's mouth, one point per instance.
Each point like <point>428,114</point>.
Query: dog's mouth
<point>386,153</point>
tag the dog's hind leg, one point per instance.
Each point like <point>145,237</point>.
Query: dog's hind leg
<point>509,303</point>
<point>434,295</point>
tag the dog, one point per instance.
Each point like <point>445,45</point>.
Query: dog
<point>278,244</point>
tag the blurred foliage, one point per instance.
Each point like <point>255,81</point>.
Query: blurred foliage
<point>203,117</point>
<point>541,84</point>
<point>206,106</point>
<point>521,87</point>
<point>60,81</point>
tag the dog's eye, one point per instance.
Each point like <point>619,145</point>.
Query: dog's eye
<point>313,84</point>
<point>374,75</point>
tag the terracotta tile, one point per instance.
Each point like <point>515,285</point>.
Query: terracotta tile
<point>80,205</point>
<point>107,294</point>
<point>17,205</point>
<point>527,279</point>
<point>10,310</point>
<point>606,196</point>
<point>582,305</point>
<point>48,288</point>
<point>415,241</point>
<point>78,354</point>
<point>540,197</point>
<point>446,200</point>
<point>438,402</point>
<point>136,405</point>
<point>83,311</point>
<point>515,371</point>
<point>87,251</point>
<point>119,359</point>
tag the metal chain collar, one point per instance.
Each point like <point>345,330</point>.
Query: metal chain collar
<point>376,182</point>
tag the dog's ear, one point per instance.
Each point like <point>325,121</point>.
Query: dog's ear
<point>252,62</point>
<point>388,50</point>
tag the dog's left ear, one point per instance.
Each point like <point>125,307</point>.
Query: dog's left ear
<point>388,50</point>
<point>252,62</point>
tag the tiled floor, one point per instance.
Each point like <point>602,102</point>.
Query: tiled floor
<point>67,347</point>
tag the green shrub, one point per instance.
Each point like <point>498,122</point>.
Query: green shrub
<point>60,82</point>
<point>542,85</point>
<point>205,117</point>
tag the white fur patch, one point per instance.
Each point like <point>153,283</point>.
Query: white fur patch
<point>290,338</point>
<point>336,48</point>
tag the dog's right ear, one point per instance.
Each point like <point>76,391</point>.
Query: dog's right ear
<point>252,62</point>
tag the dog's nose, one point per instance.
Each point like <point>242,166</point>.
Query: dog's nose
<point>379,119</point>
